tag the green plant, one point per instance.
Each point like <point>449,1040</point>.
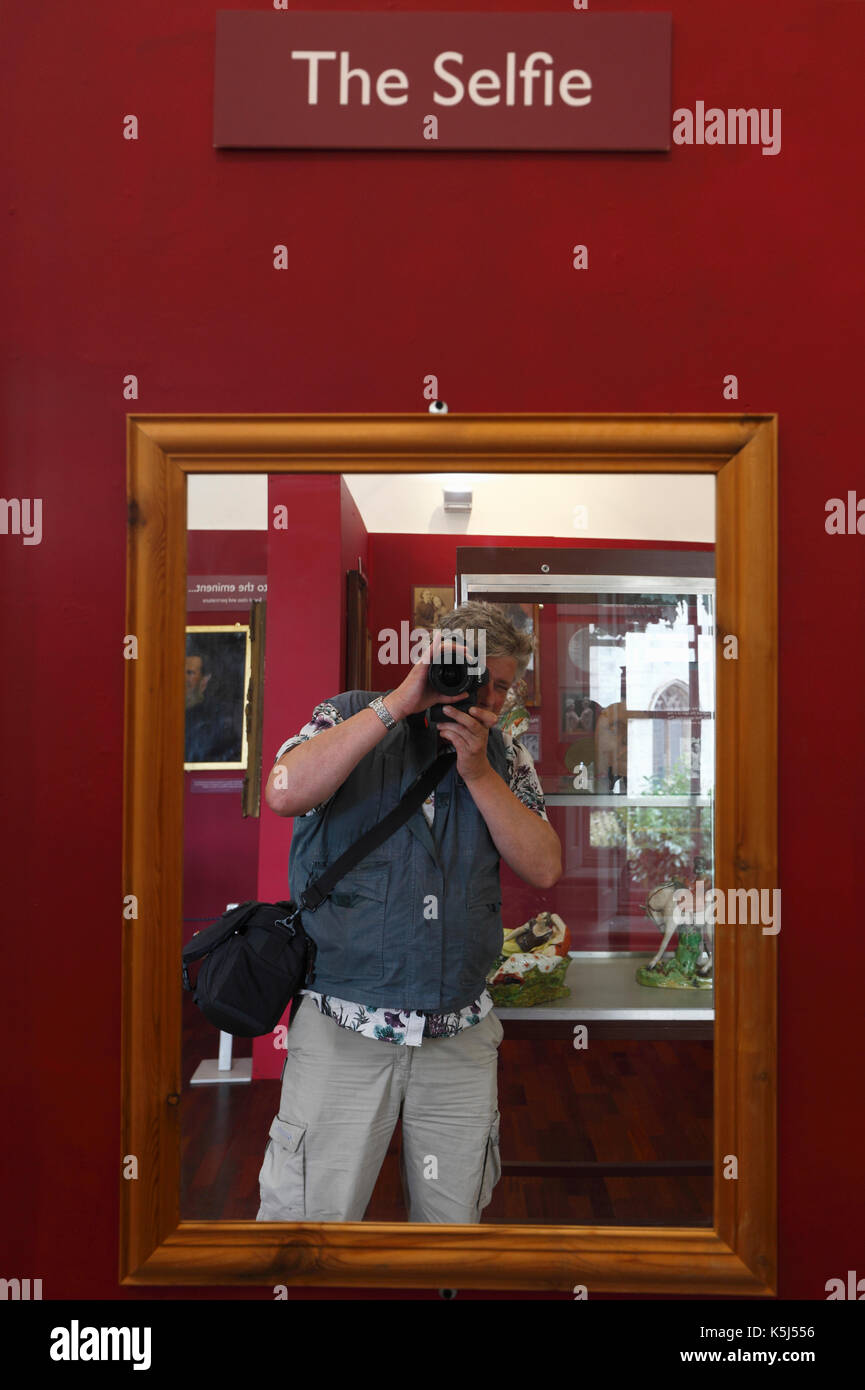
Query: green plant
<point>661,842</point>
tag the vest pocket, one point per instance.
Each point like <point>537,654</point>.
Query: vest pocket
<point>483,934</point>
<point>348,927</point>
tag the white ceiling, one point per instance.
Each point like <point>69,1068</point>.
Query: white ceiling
<point>611,506</point>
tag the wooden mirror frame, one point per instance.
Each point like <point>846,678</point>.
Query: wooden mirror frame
<point>739,1256</point>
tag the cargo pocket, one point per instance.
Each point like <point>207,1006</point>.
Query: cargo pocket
<point>282,1177</point>
<point>492,1165</point>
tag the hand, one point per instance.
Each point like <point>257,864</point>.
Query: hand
<point>469,735</point>
<point>415,694</point>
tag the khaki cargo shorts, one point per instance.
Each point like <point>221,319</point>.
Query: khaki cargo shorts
<point>340,1100</point>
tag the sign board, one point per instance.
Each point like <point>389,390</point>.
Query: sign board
<point>223,590</point>
<point>386,81</point>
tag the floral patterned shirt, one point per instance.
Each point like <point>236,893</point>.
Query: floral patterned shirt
<point>404,1025</point>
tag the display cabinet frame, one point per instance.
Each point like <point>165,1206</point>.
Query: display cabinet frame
<point>561,575</point>
<point>739,1255</point>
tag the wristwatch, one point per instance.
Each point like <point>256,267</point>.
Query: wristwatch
<point>383,712</point>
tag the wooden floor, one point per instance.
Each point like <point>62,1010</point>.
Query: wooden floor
<point>619,1102</point>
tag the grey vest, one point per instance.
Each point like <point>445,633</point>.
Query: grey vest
<point>417,924</point>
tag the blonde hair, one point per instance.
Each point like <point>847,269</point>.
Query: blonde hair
<point>501,637</point>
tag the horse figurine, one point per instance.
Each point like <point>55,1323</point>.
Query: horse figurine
<point>691,966</point>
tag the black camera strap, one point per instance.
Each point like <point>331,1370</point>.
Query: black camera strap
<point>410,802</point>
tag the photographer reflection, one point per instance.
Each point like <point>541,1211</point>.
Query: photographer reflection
<point>398,1016</point>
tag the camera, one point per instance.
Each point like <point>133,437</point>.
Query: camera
<point>452,678</point>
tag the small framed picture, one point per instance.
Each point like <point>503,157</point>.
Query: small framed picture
<point>531,739</point>
<point>429,602</point>
<point>218,666</point>
<point>579,714</point>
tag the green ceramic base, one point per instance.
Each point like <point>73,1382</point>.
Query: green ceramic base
<point>669,976</point>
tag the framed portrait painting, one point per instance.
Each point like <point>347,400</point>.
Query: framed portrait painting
<point>429,602</point>
<point>218,666</point>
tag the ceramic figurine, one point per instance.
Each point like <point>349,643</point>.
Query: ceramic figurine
<point>691,966</point>
<point>514,717</point>
<point>533,964</point>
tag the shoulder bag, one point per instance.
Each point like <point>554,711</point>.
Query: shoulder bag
<point>257,957</point>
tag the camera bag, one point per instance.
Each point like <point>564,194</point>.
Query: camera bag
<point>257,957</point>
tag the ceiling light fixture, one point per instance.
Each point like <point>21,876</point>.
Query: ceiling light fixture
<point>457,501</point>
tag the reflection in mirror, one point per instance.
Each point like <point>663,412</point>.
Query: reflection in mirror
<point>512,1010</point>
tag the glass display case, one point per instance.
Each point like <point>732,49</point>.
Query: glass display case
<point>617,709</point>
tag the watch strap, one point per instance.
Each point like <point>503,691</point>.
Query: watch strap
<point>383,712</point>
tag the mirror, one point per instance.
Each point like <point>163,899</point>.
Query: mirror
<point>597,1109</point>
<point>171,1127</point>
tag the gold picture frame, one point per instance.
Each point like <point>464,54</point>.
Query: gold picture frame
<point>425,611</point>
<point>234,721</point>
<point>739,1255</point>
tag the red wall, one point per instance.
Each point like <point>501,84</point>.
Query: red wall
<point>305,590</point>
<point>304,652</point>
<point>154,257</point>
<point>353,546</point>
<point>220,846</point>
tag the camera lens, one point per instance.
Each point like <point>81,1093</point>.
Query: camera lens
<point>450,678</point>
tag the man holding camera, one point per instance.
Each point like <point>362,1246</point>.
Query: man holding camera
<point>397,1015</point>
